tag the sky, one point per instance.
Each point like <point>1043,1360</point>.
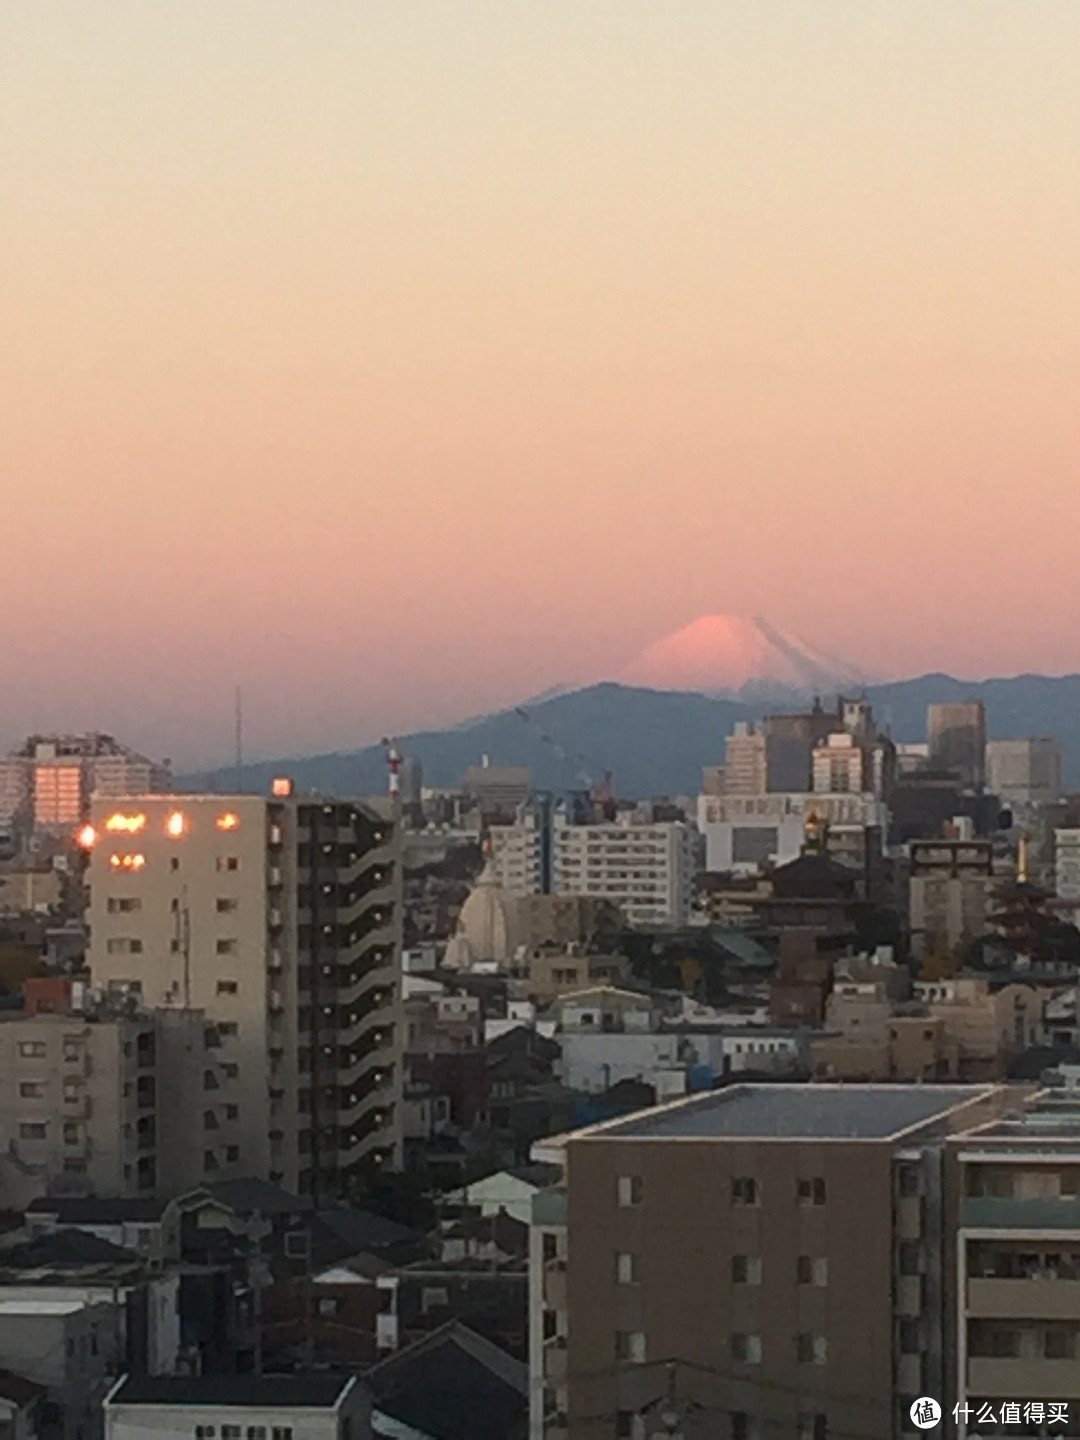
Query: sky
<point>396,362</point>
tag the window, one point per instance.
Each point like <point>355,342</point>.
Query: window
<point>228,947</point>
<point>71,1133</point>
<point>231,1432</point>
<point>813,1427</point>
<point>256,1432</point>
<point>228,862</point>
<point>626,1427</point>
<point>908,1181</point>
<point>745,1349</point>
<point>810,1271</point>
<point>282,1432</point>
<point>123,905</point>
<point>745,1270</point>
<point>812,1192</point>
<point>744,1190</point>
<point>122,945</point>
<point>32,1090</point>
<point>811,1349</point>
<point>228,1029</point>
<point>630,1189</point>
<point>227,987</point>
<point>204,1432</point>
<point>328,1307</point>
<point>910,1258</point>
<point>627,1268</point>
<point>33,1050</point>
<point>630,1346</point>
<point>739,1426</point>
<point>910,1342</point>
<point>174,862</point>
<point>226,905</point>
<point>232,1154</point>
<point>550,1246</point>
<point>551,1325</point>
<point>230,1070</point>
<point>32,1131</point>
<point>1059,1345</point>
<point>232,1112</point>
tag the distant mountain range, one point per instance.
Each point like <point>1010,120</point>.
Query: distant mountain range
<point>655,742</point>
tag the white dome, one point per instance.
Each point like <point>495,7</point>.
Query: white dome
<point>487,923</point>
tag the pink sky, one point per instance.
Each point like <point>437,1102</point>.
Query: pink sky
<point>400,361</point>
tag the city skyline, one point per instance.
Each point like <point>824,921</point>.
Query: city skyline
<point>398,366</point>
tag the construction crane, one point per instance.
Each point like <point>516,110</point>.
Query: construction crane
<point>600,792</point>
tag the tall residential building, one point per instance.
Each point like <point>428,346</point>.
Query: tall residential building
<point>1024,772</point>
<point>1067,864</point>
<point>759,1261</point>
<point>49,781</point>
<point>647,870</point>
<point>956,735</point>
<point>745,762</point>
<point>279,918</point>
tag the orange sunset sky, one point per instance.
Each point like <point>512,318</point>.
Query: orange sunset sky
<point>397,361</point>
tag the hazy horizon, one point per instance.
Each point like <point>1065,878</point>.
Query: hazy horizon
<point>400,363</point>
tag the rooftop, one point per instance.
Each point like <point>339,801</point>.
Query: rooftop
<point>807,1112</point>
<point>304,1392</point>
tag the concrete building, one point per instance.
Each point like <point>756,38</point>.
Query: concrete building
<point>280,919</point>
<point>949,889</point>
<point>49,781</point>
<point>760,1260</point>
<point>745,834</point>
<point>258,1407</point>
<point>499,790</point>
<point>90,1108</point>
<point>1024,773</point>
<point>956,736</point>
<point>988,1026</point>
<point>1067,865</point>
<point>64,1346</point>
<point>646,870</point>
<point>745,762</point>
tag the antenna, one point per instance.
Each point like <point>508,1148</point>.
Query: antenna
<point>239,741</point>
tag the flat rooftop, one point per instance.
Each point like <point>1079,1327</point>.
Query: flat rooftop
<point>798,1112</point>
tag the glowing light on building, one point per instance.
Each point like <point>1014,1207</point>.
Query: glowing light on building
<point>176,824</point>
<point>128,824</point>
<point>228,821</point>
<point>282,787</point>
<point>86,837</point>
<point>127,862</point>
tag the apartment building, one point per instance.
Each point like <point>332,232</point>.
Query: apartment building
<point>1015,1303</point>
<point>1067,864</point>
<point>1024,773</point>
<point>48,782</point>
<point>760,1260</point>
<point>956,738</point>
<point>646,870</point>
<point>280,919</point>
<point>948,894</point>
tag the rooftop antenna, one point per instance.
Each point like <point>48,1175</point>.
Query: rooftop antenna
<point>239,741</point>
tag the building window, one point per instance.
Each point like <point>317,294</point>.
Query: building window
<point>209,1161</point>
<point>32,1130</point>
<point>228,947</point>
<point>739,1426</point>
<point>123,905</point>
<point>813,1427</point>
<point>745,1349</point>
<point>282,1432</point>
<point>626,1425</point>
<point>630,1189</point>
<point>204,1432</point>
<point>328,1307</point>
<point>910,1341</point>
<point>227,987</point>
<point>745,1190</point>
<point>226,905</point>
<point>232,1112</point>
<point>627,1268</point>
<point>745,1270</point>
<point>908,1181</point>
<point>811,1349</point>
<point>227,1029</point>
<point>910,1258</point>
<point>230,1070</point>
<point>232,1432</point>
<point>811,1271</point>
<point>256,1432</point>
<point>630,1346</point>
<point>228,862</point>
<point>33,1050</point>
<point>812,1192</point>
<point>71,1133</point>
<point>123,945</point>
<point>32,1090</point>
<point>232,1154</point>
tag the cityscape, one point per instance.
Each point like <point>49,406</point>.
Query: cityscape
<point>539,720</point>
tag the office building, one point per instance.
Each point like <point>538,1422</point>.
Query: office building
<point>758,1261</point>
<point>956,735</point>
<point>279,919</point>
<point>1024,773</point>
<point>49,781</point>
<point>949,889</point>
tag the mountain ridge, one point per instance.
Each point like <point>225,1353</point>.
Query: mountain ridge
<point>653,741</point>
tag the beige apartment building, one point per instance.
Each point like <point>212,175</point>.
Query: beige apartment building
<point>756,1262</point>
<point>280,919</point>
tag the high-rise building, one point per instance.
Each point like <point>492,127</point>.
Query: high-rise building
<point>49,781</point>
<point>280,919</point>
<point>647,870</point>
<point>956,735</point>
<point>948,892</point>
<point>745,762</point>
<point>759,1261</point>
<point>1024,772</point>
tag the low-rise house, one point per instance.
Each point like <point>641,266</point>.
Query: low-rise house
<point>238,1407</point>
<point>20,1406</point>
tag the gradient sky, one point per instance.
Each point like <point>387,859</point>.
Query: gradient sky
<point>400,360</point>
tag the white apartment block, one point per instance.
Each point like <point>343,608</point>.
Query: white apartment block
<point>280,919</point>
<point>647,870</point>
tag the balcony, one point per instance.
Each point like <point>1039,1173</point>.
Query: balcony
<point>1038,1299</point>
<point>555,1361</point>
<point>991,1377</point>
<point>991,1212</point>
